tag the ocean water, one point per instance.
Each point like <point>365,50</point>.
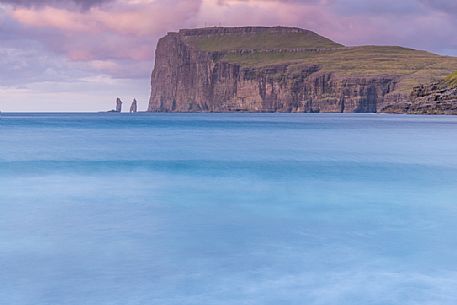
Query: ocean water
<point>218,209</point>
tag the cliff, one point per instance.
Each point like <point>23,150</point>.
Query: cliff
<point>282,69</point>
<point>435,98</point>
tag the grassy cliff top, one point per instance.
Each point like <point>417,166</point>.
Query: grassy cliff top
<point>226,39</point>
<point>452,79</point>
<point>266,46</point>
<point>412,67</point>
<point>368,60</point>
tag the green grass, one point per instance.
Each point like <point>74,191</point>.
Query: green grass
<point>413,67</point>
<point>348,60</point>
<point>452,79</point>
<point>265,40</point>
<point>410,67</point>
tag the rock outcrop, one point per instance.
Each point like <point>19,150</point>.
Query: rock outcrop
<point>134,106</point>
<point>206,70</point>
<point>436,98</point>
<point>118,105</point>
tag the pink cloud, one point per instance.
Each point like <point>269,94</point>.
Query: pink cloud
<point>126,31</point>
<point>49,17</point>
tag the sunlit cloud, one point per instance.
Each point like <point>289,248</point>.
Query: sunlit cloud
<point>81,4</point>
<point>130,29</point>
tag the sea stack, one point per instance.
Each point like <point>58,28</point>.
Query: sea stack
<point>134,107</point>
<point>118,105</point>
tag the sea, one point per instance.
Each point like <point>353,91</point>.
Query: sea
<point>228,209</point>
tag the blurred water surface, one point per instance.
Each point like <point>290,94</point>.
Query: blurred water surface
<point>178,209</point>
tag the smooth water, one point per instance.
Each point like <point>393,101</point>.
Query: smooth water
<point>179,209</point>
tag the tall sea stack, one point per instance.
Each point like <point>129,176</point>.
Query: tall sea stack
<point>134,106</point>
<point>118,105</point>
<point>282,69</point>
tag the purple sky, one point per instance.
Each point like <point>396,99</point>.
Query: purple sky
<point>79,55</point>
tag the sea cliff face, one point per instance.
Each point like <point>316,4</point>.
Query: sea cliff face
<point>434,98</point>
<point>209,70</point>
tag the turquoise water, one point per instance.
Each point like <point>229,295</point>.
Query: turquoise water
<point>178,209</point>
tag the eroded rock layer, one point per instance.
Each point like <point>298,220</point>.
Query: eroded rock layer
<point>435,98</point>
<point>209,70</point>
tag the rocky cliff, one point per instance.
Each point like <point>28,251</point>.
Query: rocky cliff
<point>282,69</point>
<point>435,98</point>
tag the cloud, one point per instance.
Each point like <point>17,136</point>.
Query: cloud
<point>123,31</point>
<point>91,93</point>
<point>82,4</point>
<point>128,30</point>
<point>386,8</point>
<point>16,65</point>
<point>447,6</point>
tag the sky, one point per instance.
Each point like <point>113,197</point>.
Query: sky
<point>79,55</point>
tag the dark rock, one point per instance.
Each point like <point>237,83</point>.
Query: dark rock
<point>134,106</point>
<point>118,105</point>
